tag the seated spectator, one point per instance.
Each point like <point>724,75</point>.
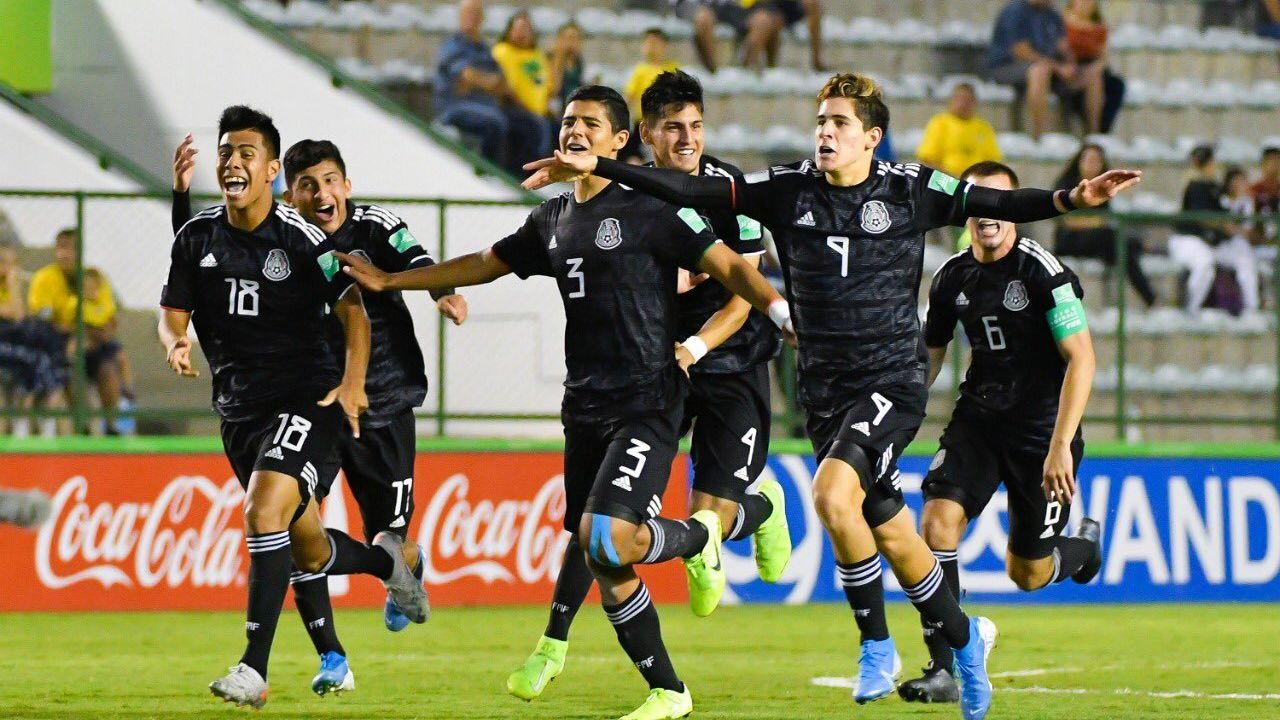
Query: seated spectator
<point>654,46</point>
<point>758,25</point>
<point>1092,236</point>
<point>524,67</point>
<point>1202,246</point>
<point>568,69</point>
<point>957,138</point>
<point>1087,38</point>
<point>1269,19</point>
<point>473,96</point>
<point>1266,191</point>
<point>33,356</point>
<point>1029,51</point>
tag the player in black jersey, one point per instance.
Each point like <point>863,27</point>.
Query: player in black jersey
<point>726,354</point>
<point>614,255</point>
<point>254,278</point>
<point>378,464</point>
<point>1017,421</point>
<point>850,235</point>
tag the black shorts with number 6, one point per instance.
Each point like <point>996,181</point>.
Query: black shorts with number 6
<point>298,440</point>
<point>975,457</point>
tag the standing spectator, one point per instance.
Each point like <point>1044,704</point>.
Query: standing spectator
<point>473,96</point>
<point>1087,38</point>
<point>1092,236</point>
<point>654,46</point>
<point>1266,191</point>
<point>1200,246</point>
<point>957,138</point>
<point>567,66</point>
<point>1029,51</point>
<point>758,25</point>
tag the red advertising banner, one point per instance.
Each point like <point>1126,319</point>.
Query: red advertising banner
<point>150,532</point>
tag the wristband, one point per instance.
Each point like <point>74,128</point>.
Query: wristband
<point>780,313</point>
<point>1065,199</point>
<point>696,347</point>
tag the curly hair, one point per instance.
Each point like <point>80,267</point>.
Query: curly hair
<point>864,93</point>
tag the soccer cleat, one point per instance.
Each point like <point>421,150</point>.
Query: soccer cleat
<point>539,669</point>
<point>772,540</point>
<point>878,670</point>
<point>335,675</point>
<point>1091,531</point>
<point>391,615</point>
<point>935,686</point>
<point>242,685</point>
<point>663,704</point>
<point>24,508</point>
<point>403,588</point>
<point>970,668</point>
<point>704,570</point>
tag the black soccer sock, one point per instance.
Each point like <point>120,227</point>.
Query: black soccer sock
<point>636,623</point>
<point>269,564</point>
<point>673,538</point>
<point>571,590</point>
<point>350,557</point>
<point>936,604</point>
<point>311,595</point>
<point>865,592</point>
<point>753,511</point>
<point>940,654</point>
<point>1069,555</point>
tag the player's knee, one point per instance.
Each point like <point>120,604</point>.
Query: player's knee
<point>262,515</point>
<point>940,528</point>
<point>1027,575</point>
<point>309,562</point>
<point>608,541</point>
<point>834,505</point>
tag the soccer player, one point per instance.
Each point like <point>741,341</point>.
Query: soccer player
<point>614,255</point>
<point>726,354</point>
<point>1017,421</point>
<point>254,277</point>
<point>850,234</point>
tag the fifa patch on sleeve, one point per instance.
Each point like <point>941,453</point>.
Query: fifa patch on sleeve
<point>692,219</point>
<point>329,265</point>
<point>748,229</point>
<point>1066,318</point>
<point>403,240</point>
<point>756,177</point>
<point>1064,293</point>
<point>943,183</point>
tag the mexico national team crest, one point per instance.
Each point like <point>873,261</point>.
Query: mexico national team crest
<point>1015,296</point>
<point>875,217</point>
<point>609,236</point>
<point>277,265</point>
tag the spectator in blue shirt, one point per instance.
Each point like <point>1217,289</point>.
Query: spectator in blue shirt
<point>1029,51</point>
<point>472,96</point>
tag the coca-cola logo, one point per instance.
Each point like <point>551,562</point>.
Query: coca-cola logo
<point>141,544</point>
<point>509,540</point>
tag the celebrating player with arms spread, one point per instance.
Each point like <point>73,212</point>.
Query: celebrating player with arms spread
<point>850,234</point>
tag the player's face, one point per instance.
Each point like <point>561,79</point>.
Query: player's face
<point>991,234</point>
<point>585,129</point>
<point>320,194</point>
<point>677,139</point>
<point>841,139</point>
<point>245,169</point>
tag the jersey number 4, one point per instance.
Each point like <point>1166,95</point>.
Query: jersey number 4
<point>243,299</point>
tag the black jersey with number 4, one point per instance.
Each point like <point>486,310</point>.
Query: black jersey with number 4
<point>615,260</point>
<point>1015,374</point>
<point>257,300</point>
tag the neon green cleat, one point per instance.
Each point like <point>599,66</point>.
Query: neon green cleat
<point>772,540</point>
<point>546,662</point>
<point>663,704</point>
<point>704,570</point>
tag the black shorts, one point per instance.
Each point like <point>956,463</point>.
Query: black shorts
<point>619,469</point>
<point>96,357</point>
<point>730,416</point>
<point>379,470</point>
<point>736,16</point>
<point>974,459</point>
<point>879,423</point>
<point>297,440</point>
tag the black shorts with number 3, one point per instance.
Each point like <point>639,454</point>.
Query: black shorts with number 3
<point>297,440</point>
<point>975,458</point>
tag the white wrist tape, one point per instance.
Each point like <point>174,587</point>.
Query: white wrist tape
<point>780,313</point>
<point>696,347</point>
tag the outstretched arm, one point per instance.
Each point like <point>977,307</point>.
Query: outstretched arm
<point>743,280</point>
<point>706,192</point>
<point>1032,204</point>
<point>476,268</point>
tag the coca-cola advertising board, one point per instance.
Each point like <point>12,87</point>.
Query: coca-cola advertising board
<point>144,532</point>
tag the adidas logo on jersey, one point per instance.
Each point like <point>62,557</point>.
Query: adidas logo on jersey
<point>209,261</point>
<point>275,454</point>
<point>961,300</point>
<point>807,220</point>
<point>863,427</point>
<point>622,482</point>
<point>397,523</point>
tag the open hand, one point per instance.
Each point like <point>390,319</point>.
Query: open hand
<point>366,274</point>
<point>1095,192</point>
<point>1059,474</point>
<point>563,167</point>
<point>184,164</point>
<point>350,396</point>
<point>179,358</point>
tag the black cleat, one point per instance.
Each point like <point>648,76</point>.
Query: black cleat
<point>1091,531</point>
<point>935,686</point>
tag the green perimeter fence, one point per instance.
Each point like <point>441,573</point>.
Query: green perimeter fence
<point>1162,375</point>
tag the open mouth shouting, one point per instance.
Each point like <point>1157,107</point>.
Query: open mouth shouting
<point>234,186</point>
<point>326,212</point>
<point>988,229</point>
<point>576,148</point>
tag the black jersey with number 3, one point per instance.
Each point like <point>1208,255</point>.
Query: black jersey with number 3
<point>615,260</point>
<point>257,300</point>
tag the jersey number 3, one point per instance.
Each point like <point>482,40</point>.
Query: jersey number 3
<point>575,273</point>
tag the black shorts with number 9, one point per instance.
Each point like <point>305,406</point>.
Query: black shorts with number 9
<point>298,440</point>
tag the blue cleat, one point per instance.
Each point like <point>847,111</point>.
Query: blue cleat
<point>970,668</point>
<point>391,615</point>
<point>878,670</point>
<point>335,675</point>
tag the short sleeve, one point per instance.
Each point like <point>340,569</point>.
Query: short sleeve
<point>333,283</point>
<point>179,292</point>
<point>1056,293</point>
<point>940,321</point>
<point>524,250</point>
<point>683,239</point>
<point>396,249</point>
<point>750,240</point>
<point>939,199</point>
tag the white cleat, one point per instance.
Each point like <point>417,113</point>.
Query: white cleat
<point>242,686</point>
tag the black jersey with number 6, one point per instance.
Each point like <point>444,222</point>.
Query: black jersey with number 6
<point>615,260</point>
<point>257,300</point>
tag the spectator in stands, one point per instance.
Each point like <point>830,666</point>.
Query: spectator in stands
<point>1201,246</point>
<point>1087,38</point>
<point>758,25</point>
<point>12,311</point>
<point>526,69</point>
<point>957,137</point>
<point>568,69</point>
<point>33,360</point>
<point>1269,19</point>
<point>654,46</point>
<point>1092,236</point>
<point>473,96</point>
<point>1029,51</point>
<point>1266,191</point>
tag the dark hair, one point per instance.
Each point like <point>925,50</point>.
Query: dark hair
<point>309,153</point>
<point>662,34</point>
<point>866,96</point>
<point>243,117</point>
<point>1201,155</point>
<point>615,108</point>
<point>966,85</point>
<point>511,22</point>
<point>1269,151</point>
<point>70,232</point>
<point>1231,173</point>
<point>671,88</point>
<point>988,168</point>
<point>1070,176</point>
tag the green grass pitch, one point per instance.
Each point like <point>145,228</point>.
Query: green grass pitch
<point>1077,662</point>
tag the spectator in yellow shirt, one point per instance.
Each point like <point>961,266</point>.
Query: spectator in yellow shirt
<point>654,47</point>
<point>957,138</point>
<point>524,66</point>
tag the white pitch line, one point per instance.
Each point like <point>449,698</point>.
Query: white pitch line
<point>847,683</point>
<point>1208,665</point>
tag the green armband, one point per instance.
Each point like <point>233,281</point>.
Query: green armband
<point>1066,317</point>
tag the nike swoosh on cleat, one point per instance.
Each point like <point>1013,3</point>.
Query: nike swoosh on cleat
<point>541,676</point>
